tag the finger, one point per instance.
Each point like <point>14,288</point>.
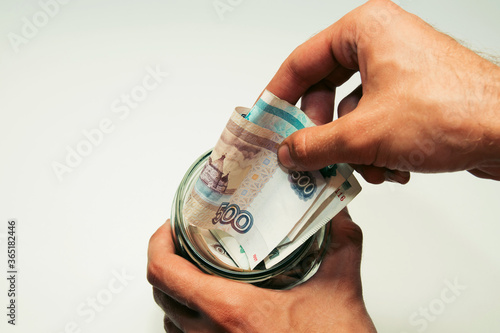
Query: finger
<point>344,231</point>
<point>179,315</point>
<point>397,176</point>
<point>377,175</point>
<point>171,307</point>
<point>174,275</point>
<point>318,103</point>
<point>184,282</point>
<point>339,76</point>
<point>486,172</point>
<point>343,257</point>
<point>169,326</point>
<point>315,60</point>
<point>372,174</point>
<point>350,102</point>
<point>354,138</point>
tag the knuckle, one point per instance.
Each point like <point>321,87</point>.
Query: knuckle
<point>153,273</point>
<point>352,235</point>
<point>299,147</point>
<point>355,234</point>
<point>294,68</point>
<point>230,314</point>
<point>152,240</point>
<point>154,236</point>
<point>158,296</point>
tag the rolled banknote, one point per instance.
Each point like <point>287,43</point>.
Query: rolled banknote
<point>244,193</point>
<point>211,248</point>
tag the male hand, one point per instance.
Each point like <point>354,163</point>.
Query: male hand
<point>331,301</point>
<point>427,104</point>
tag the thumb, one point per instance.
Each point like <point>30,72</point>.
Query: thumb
<point>353,138</point>
<point>344,231</point>
<point>343,257</point>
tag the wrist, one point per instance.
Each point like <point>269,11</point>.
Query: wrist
<point>490,119</point>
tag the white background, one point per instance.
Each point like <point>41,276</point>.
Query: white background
<point>74,233</point>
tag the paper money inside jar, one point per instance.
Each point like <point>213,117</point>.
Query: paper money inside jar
<point>240,215</point>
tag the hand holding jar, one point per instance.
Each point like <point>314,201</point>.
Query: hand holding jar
<point>194,301</point>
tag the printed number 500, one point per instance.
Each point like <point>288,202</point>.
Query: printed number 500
<point>240,220</point>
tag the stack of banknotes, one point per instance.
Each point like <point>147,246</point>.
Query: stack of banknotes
<point>246,209</point>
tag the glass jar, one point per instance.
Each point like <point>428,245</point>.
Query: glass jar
<point>296,268</point>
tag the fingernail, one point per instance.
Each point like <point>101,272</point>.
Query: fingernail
<point>284,157</point>
<point>396,176</point>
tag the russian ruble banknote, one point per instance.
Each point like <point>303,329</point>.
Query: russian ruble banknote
<point>333,205</point>
<point>251,204</point>
<point>211,248</point>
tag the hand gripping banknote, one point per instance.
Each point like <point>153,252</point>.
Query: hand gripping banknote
<point>256,209</point>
